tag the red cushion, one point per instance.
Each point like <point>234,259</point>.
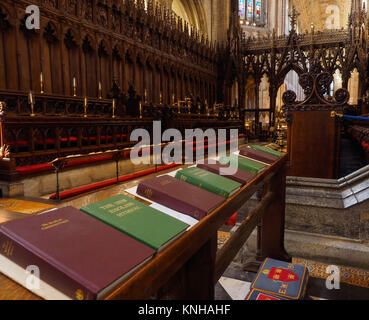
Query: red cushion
<point>110,182</point>
<point>232,220</point>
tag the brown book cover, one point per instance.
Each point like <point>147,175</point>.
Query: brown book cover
<point>240,176</point>
<point>258,155</point>
<point>180,196</point>
<point>76,254</point>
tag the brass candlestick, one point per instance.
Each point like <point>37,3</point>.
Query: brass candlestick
<point>74,87</point>
<point>140,110</point>
<point>32,103</point>
<point>247,125</point>
<point>179,107</point>
<point>145,96</point>
<point>188,105</point>
<point>207,108</point>
<point>113,116</point>
<point>161,98</point>
<point>173,100</point>
<point>42,83</point>
<point>85,105</point>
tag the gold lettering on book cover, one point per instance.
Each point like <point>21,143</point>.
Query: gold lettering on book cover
<point>107,206</point>
<point>148,193</point>
<point>166,182</point>
<point>7,248</point>
<point>80,295</point>
<point>52,224</point>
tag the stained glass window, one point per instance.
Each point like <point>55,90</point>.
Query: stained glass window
<point>251,11</point>
<point>258,9</point>
<point>242,9</point>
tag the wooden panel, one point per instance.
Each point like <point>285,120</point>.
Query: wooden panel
<point>313,146</point>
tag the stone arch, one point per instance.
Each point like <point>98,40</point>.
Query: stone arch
<point>250,93</point>
<point>191,11</point>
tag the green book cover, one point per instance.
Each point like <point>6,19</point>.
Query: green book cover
<point>243,163</point>
<point>143,223</point>
<point>209,181</point>
<point>267,150</point>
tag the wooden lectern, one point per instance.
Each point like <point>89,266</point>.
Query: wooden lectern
<point>313,137</point>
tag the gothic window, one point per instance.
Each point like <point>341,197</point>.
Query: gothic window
<point>251,12</point>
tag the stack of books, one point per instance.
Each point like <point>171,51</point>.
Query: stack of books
<point>209,184</point>
<point>86,254</point>
<point>278,280</point>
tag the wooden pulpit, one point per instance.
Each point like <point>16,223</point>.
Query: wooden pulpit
<point>313,137</point>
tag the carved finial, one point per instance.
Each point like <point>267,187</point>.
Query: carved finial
<point>293,18</point>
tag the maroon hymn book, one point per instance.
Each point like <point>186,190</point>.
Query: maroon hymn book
<point>258,155</point>
<point>180,196</point>
<point>240,176</point>
<point>76,254</point>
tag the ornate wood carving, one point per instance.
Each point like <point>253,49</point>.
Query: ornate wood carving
<point>316,85</point>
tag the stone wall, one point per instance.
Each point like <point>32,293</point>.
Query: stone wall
<point>326,220</point>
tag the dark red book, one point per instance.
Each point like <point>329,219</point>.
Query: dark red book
<point>258,155</point>
<point>180,196</point>
<point>78,255</point>
<point>240,176</point>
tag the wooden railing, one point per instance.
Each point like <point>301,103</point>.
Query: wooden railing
<point>191,266</point>
<point>17,103</point>
<point>34,140</point>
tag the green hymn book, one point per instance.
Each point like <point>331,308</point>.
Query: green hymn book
<point>209,181</point>
<point>267,150</point>
<point>152,227</point>
<point>243,163</point>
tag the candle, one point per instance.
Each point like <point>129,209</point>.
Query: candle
<point>41,77</point>
<point>85,107</point>
<point>100,90</point>
<point>74,82</point>
<point>145,94</point>
<point>30,98</point>
<point>32,104</point>
<point>113,108</point>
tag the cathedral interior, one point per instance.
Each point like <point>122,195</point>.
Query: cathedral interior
<point>292,75</point>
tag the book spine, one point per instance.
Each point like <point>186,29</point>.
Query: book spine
<point>168,201</point>
<point>50,274</point>
<point>202,184</point>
